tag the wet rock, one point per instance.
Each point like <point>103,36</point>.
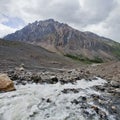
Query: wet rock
<point>5,83</point>
<point>95,97</point>
<point>82,101</point>
<point>94,78</point>
<point>111,90</point>
<point>84,98</point>
<point>100,88</point>
<point>36,78</point>
<point>21,69</point>
<point>75,102</point>
<point>115,84</point>
<point>77,78</point>
<point>63,81</point>
<point>48,100</point>
<point>101,102</point>
<point>12,74</point>
<point>84,106</point>
<point>70,71</point>
<point>103,115</point>
<point>70,90</point>
<point>114,109</point>
<point>89,114</point>
<point>53,80</point>
<point>96,109</point>
<point>23,82</point>
<point>43,99</point>
<point>86,112</point>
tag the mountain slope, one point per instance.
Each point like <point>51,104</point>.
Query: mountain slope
<point>61,38</point>
<point>14,53</point>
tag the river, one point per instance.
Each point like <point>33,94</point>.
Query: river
<point>52,102</point>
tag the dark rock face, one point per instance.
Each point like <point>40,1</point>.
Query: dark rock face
<point>59,37</point>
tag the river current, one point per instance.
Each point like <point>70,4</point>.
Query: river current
<point>51,102</point>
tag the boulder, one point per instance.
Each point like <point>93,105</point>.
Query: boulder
<point>6,84</point>
<point>53,80</point>
<point>115,84</point>
<point>36,78</point>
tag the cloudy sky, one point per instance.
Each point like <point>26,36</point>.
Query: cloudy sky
<point>98,16</point>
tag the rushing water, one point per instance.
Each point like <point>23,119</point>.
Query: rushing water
<point>47,101</point>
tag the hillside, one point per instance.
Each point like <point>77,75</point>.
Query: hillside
<point>63,39</point>
<point>14,53</point>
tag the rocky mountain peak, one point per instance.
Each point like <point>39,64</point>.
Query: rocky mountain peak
<point>61,38</point>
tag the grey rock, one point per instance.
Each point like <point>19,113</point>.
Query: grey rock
<point>115,84</point>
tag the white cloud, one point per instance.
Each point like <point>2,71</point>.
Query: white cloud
<point>99,16</point>
<point>108,27</point>
<point>5,30</point>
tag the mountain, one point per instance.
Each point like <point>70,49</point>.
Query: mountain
<point>63,39</point>
<point>14,53</point>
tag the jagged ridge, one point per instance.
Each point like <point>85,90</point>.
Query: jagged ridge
<point>61,38</point>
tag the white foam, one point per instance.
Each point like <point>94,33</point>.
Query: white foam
<point>27,103</point>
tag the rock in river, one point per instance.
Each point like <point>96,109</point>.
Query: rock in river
<point>5,83</point>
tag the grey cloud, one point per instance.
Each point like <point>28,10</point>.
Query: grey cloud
<point>96,11</point>
<point>78,13</point>
<point>68,10</point>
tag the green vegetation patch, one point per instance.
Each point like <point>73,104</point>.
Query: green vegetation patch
<point>116,50</point>
<point>84,59</point>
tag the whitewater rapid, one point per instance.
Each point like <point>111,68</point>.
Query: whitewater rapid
<point>47,101</point>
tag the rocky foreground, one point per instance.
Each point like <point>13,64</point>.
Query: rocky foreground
<point>80,93</point>
<point>109,71</point>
